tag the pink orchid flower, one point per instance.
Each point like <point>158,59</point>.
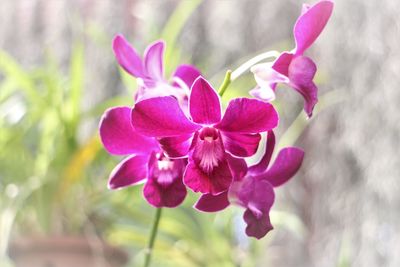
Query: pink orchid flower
<point>150,71</point>
<point>253,189</point>
<point>206,138</point>
<point>145,162</point>
<point>293,68</point>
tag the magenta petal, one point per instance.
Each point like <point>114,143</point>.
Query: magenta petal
<point>286,165</point>
<point>161,117</point>
<point>176,146</point>
<point>262,165</point>
<point>129,172</point>
<point>212,203</point>
<point>204,103</point>
<point>164,196</point>
<point>238,167</point>
<point>127,56</point>
<point>215,182</point>
<point>241,145</point>
<point>257,227</point>
<point>310,24</point>
<point>153,60</point>
<point>281,64</point>
<point>245,115</point>
<point>118,136</point>
<point>187,73</point>
<point>301,73</point>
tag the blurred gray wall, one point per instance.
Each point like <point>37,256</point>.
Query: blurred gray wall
<point>347,193</point>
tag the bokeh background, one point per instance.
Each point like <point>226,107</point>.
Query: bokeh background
<point>58,74</point>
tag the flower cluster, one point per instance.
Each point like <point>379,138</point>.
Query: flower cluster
<point>177,135</point>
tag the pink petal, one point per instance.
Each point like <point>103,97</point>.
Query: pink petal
<point>204,103</point>
<point>164,196</point>
<point>310,25</point>
<point>281,64</point>
<point>238,167</point>
<point>129,172</point>
<point>262,165</point>
<point>241,145</point>
<point>153,60</point>
<point>286,165</point>
<point>176,146</point>
<point>257,227</point>
<point>212,203</point>
<point>245,115</point>
<point>301,73</point>
<point>118,136</point>
<point>127,56</point>
<point>161,117</point>
<point>265,93</point>
<point>187,73</point>
<point>215,182</point>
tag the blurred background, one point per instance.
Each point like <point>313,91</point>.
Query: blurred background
<point>58,75</point>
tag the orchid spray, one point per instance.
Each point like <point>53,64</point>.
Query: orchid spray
<point>177,137</point>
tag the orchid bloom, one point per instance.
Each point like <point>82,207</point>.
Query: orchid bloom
<point>253,190</point>
<point>205,137</point>
<point>293,68</point>
<point>150,71</point>
<point>145,162</point>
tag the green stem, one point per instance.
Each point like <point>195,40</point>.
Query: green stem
<point>225,83</point>
<point>153,235</point>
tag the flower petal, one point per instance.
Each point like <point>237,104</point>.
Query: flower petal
<point>186,73</point>
<point>257,227</point>
<point>301,73</point>
<point>215,182</point>
<point>164,196</point>
<point>310,25</point>
<point>127,56</point>
<point>241,145</point>
<point>286,165</point>
<point>264,93</point>
<point>281,64</point>
<point>176,146</point>
<point>245,115</point>
<point>212,203</point>
<point>204,103</point>
<point>153,60</point>
<point>262,165</point>
<point>118,136</point>
<point>238,167</point>
<point>161,117</point>
<point>129,172</point>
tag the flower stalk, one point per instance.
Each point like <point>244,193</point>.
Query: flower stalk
<point>225,83</point>
<point>153,234</point>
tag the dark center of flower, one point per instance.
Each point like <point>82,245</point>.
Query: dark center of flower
<point>209,150</point>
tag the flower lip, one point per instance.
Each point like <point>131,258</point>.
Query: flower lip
<point>209,134</point>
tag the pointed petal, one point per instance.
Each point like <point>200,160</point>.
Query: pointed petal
<point>127,56</point>
<point>204,103</point>
<point>211,203</point>
<point>310,24</point>
<point>262,165</point>
<point>215,182</point>
<point>186,73</point>
<point>130,171</point>
<point>169,196</point>
<point>153,60</point>
<point>176,146</point>
<point>241,145</point>
<point>118,136</point>
<point>286,165</point>
<point>245,115</point>
<point>161,117</point>
<point>301,73</point>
